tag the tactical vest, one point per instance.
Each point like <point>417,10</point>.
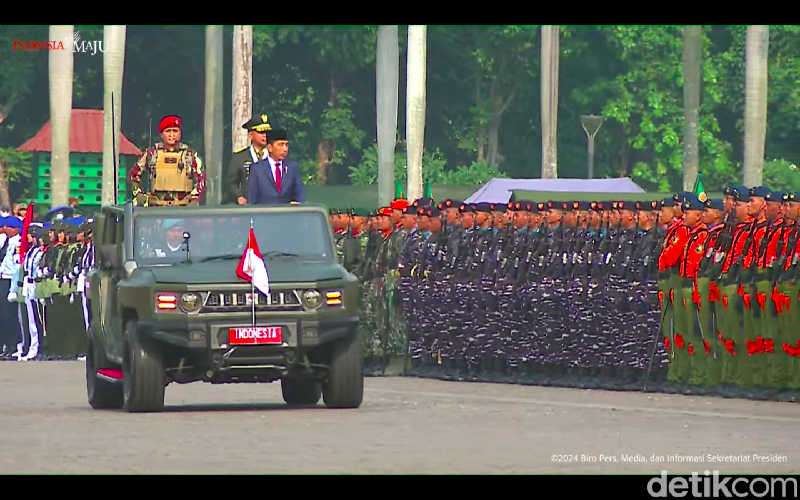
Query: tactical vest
<point>170,172</point>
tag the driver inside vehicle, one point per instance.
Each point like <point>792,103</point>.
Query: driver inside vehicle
<point>171,241</point>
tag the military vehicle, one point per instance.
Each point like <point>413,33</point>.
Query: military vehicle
<point>168,306</point>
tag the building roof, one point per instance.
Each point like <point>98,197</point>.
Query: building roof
<point>85,135</point>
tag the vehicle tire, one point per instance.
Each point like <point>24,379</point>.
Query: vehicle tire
<point>144,376</point>
<point>301,391</point>
<point>344,386</point>
<point>102,394</point>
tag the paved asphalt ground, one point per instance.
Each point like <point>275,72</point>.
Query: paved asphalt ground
<point>405,425</point>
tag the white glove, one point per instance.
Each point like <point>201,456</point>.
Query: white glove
<point>12,296</point>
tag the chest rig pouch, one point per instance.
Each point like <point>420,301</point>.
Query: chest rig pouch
<point>171,173</point>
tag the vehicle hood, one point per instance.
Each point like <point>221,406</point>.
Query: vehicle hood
<point>279,271</point>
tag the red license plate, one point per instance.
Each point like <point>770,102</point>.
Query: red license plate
<point>255,335</point>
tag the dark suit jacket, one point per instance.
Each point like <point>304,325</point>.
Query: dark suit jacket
<point>261,188</point>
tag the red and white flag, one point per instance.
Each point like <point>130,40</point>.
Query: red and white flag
<point>252,267</point>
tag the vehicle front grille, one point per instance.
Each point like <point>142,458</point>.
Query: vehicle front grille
<point>240,301</point>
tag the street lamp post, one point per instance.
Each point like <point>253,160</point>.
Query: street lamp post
<point>591,124</point>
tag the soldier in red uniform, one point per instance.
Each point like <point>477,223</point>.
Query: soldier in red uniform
<point>714,218</point>
<point>757,210</point>
<point>696,235</point>
<point>743,223</point>
<point>676,234</point>
<point>778,229</point>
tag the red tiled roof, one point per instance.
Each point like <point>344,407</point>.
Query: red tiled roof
<point>85,135</point>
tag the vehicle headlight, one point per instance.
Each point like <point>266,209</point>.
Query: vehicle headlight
<point>311,299</point>
<point>190,302</point>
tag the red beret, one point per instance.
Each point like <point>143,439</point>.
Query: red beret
<point>399,204</point>
<point>169,122</point>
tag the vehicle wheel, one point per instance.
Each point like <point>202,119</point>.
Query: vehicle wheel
<point>301,391</point>
<point>144,376</point>
<point>103,394</point>
<point>344,386</point>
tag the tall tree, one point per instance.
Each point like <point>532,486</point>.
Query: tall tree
<point>242,84</point>
<point>755,106</point>
<point>387,69</point>
<point>692,80</point>
<point>415,107</point>
<point>213,128</point>
<point>19,71</point>
<point>549,83</point>
<point>60,75</point>
<point>113,72</point>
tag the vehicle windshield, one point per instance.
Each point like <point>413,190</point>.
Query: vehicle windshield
<point>159,239</point>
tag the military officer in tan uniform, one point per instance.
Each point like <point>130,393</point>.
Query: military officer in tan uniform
<point>169,173</point>
<point>239,167</point>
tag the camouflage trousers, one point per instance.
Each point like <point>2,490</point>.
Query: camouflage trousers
<point>367,322</point>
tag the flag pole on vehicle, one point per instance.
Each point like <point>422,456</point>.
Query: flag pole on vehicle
<point>253,269</point>
<point>253,296</point>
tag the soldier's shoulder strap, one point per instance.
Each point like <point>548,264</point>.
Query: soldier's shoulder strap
<point>241,150</point>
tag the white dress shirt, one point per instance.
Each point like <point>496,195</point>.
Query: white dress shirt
<point>274,169</point>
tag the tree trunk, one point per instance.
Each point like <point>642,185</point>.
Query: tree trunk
<point>5,198</point>
<point>113,73</point>
<point>549,90</point>
<point>327,144</point>
<point>415,107</point>
<point>387,68</point>
<point>755,108</point>
<point>242,86</point>
<point>692,81</point>
<point>480,129</point>
<point>213,128</point>
<point>498,109</point>
<point>60,75</point>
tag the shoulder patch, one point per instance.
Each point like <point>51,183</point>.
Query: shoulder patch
<point>240,150</point>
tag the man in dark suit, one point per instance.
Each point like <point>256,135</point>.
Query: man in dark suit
<point>275,180</point>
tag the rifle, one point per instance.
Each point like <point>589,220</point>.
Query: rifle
<point>647,259</point>
<point>714,260</point>
<point>736,266</point>
<point>629,250</point>
<point>777,265</point>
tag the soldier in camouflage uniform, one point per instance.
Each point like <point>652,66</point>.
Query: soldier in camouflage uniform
<point>169,173</point>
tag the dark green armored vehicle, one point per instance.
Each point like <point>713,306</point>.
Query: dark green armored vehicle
<point>168,306</point>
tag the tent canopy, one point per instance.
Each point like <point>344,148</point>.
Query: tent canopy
<point>500,190</point>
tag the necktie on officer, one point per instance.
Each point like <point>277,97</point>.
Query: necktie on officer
<point>278,175</point>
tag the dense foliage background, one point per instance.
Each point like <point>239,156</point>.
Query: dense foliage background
<point>483,99</point>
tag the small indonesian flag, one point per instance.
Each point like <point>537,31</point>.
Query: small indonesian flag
<point>252,267</point>
<point>24,246</point>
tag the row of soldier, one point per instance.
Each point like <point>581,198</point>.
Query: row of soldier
<point>728,293</point>
<point>555,282</point>
<point>568,284</point>
<point>47,268</point>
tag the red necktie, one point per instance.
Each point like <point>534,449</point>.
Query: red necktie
<point>278,176</point>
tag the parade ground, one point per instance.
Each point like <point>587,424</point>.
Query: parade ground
<point>406,425</point>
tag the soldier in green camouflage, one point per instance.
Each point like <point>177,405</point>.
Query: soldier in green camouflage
<point>390,323</point>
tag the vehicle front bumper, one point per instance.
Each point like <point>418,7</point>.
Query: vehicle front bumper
<point>199,333</point>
